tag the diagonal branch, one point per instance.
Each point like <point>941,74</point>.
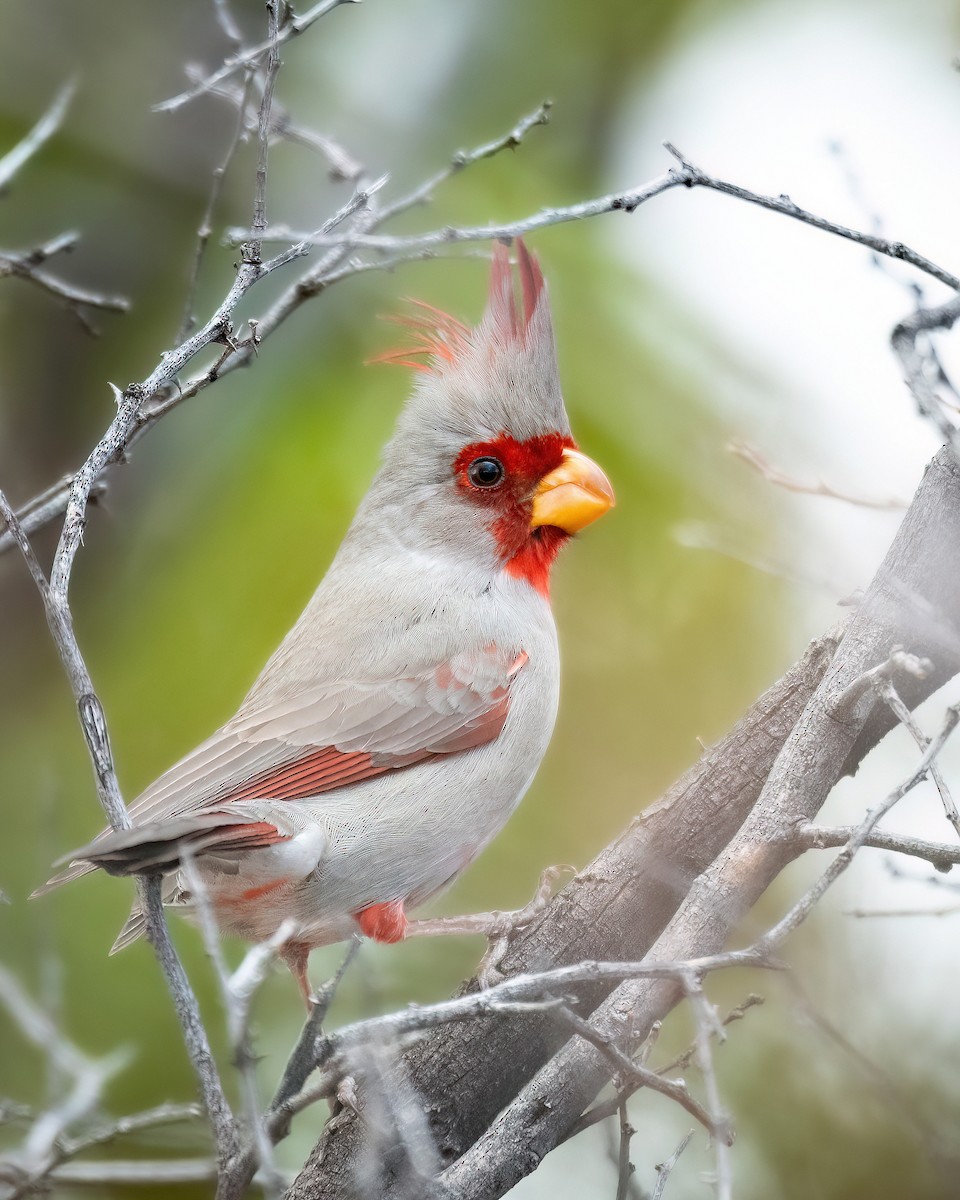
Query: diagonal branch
<point>14,160</point>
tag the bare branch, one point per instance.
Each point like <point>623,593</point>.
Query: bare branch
<point>819,837</point>
<point>466,158</point>
<point>26,264</point>
<point>663,1169</point>
<point>114,1172</point>
<point>693,176</point>
<point>802,909</point>
<point>236,62</point>
<point>84,1081</point>
<point>227,23</point>
<point>625,1168</point>
<point>904,340</point>
<point>625,201</point>
<point>188,1014</point>
<point>707,1026</point>
<point>923,558</point>
<point>274,8</point>
<point>41,133</point>
<point>205,230</point>
<point>753,458</point>
<point>634,1075</point>
<point>905,717</point>
<point>102,1135</point>
<point>342,165</point>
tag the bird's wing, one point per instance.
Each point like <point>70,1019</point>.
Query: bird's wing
<point>338,734</point>
<point>331,736</point>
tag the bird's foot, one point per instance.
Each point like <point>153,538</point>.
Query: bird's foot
<point>499,928</point>
<point>343,1105</point>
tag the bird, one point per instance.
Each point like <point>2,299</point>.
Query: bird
<point>403,717</point>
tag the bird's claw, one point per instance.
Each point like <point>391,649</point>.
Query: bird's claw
<point>507,925</point>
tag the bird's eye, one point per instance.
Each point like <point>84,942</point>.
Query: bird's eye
<point>485,472</point>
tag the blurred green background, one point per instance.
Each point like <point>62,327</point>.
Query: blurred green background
<point>212,538</point>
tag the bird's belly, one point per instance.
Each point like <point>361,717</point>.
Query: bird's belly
<point>406,839</point>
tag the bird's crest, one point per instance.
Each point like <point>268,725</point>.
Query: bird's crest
<point>438,338</point>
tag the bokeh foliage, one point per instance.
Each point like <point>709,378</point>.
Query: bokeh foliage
<point>213,537</point>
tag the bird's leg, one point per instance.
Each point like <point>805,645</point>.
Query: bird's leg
<point>497,927</point>
<point>296,955</point>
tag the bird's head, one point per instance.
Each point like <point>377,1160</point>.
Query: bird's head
<point>483,464</point>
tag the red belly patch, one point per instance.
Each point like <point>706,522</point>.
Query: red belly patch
<point>385,922</point>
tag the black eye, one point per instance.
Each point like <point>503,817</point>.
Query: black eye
<point>485,472</point>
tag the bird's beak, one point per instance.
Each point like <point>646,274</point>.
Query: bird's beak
<point>572,495</point>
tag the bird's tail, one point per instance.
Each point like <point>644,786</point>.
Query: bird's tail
<point>74,871</point>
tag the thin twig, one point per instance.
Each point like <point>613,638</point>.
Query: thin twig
<point>26,264</point>
<point>804,906</point>
<point>906,718</point>
<point>940,855</point>
<point>259,223</point>
<point>228,24</point>
<point>14,160</point>
<point>692,176</point>
<point>102,1135</point>
<point>205,229</point>
<point>663,1169</point>
<point>904,339</point>
<point>707,1026</point>
<point>83,1080</point>
<point>423,194</point>
<point>236,62</point>
<point>753,458</point>
<point>625,1168</point>
<point>630,1072</point>
<point>624,201</point>
<point>342,165</point>
<point>188,1014</point>
<point>163,1172</point>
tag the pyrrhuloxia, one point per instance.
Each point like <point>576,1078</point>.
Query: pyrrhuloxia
<point>403,717</point>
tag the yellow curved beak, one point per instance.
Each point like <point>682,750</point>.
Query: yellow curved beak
<point>572,495</point>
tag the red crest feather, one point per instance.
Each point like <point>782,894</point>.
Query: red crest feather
<point>435,335</point>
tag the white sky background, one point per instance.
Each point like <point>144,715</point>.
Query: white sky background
<point>757,100</point>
